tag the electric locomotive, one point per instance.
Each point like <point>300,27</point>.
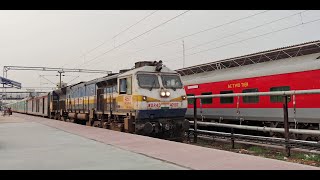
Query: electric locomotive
<point>149,99</point>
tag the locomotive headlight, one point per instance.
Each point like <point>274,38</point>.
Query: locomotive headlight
<point>162,93</point>
<point>183,97</point>
<point>168,93</point>
<point>144,98</point>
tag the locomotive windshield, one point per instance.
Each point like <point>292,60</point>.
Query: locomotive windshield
<point>148,81</point>
<point>171,81</point>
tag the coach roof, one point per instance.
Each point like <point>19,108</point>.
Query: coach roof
<point>264,56</point>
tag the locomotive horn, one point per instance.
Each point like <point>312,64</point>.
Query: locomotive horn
<point>159,66</point>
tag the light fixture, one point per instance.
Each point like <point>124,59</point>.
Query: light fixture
<point>162,93</point>
<point>144,98</point>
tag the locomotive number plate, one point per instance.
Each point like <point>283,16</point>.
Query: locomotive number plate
<point>154,105</point>
<point>174,105</point>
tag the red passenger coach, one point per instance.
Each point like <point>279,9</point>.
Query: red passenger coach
<point>280,82</point>
<point>291,68</point>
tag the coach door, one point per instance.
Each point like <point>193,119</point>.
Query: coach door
<point>100,93</point>
<point>43,106</point>
<point>109,101</point>
<point>125,93</point>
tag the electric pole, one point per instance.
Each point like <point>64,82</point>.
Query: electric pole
<point>60,72</point>
<point>183,52</point>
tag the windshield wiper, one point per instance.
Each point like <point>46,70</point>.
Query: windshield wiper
<point>154,82</point>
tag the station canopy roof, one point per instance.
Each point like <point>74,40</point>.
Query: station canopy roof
<point>9,83</point>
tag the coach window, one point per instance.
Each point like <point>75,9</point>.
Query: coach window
<point>107,90</point>
<point>278,98</point>
<point>206,100</point>
<point>84,91</point>
<point>226,100</point>
<point>190,101</point>
<point>81,92</point>
<point>76,93</point>
<point>91,89</point>
<point>114,88</point>
<point>250,99</point>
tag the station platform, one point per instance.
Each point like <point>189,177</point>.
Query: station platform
<point>30,142</point>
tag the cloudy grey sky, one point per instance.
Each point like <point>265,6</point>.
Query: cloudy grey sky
<point>120,38</point>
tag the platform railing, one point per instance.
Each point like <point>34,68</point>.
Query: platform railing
<point>285,130</point>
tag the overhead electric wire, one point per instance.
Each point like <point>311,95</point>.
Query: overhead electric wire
<point>133,38</point>
<point>73,79</point>
<point>202,31</point>
<point>248,38</point>
<point>243,31</point>
<point>48,80</point>
<point>145,17</point>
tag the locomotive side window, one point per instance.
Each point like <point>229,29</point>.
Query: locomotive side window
<point>129,85</point>
<point>126,85</point>
<point>250,99</point>
<point>206,100</point>
<point>123,86</point>
<point>276,99</point>
<point>226,100</point>
<point>190,101</point>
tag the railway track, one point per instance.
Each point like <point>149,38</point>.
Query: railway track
<point>296,144</point>
<point>226,141</point>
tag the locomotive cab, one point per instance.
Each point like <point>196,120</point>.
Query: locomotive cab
<point>156,96</point>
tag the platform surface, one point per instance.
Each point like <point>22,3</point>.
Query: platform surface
<point>33,146</point>
<point>30,142</point>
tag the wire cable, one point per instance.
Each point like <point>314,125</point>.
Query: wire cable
<point>73,79</point>
<point>290,27</point>
<point>202,31</point>
<point>198,32</point>
<point>243,31</point>
<point>134,38</point>
<point>113,36</point>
